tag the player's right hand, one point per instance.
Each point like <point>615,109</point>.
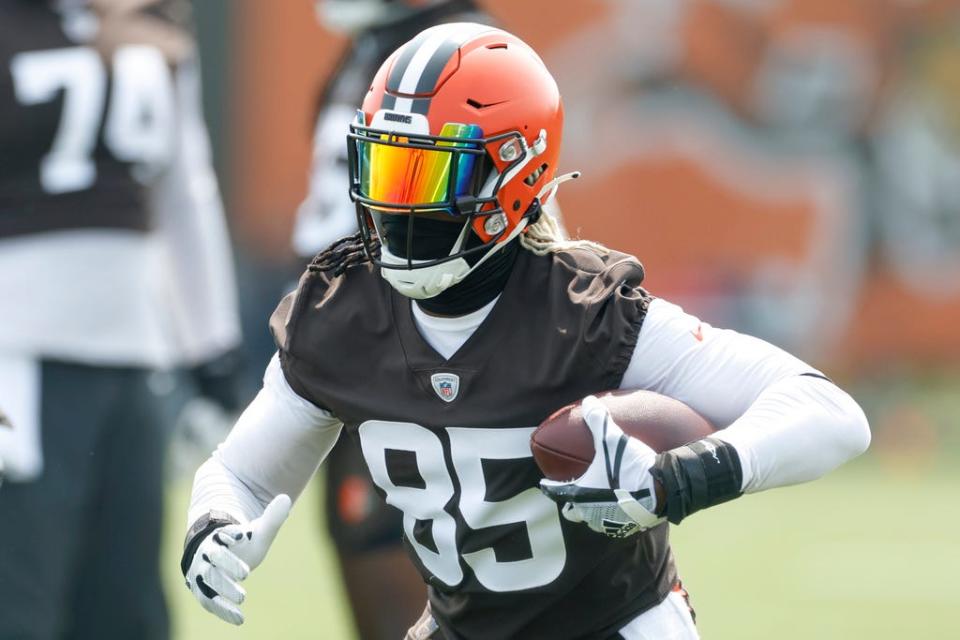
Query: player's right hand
<point>227,556</point>
<point>616,495</point>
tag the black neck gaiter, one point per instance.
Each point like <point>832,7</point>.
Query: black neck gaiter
<point>477,289</point>
<point>434,238</point>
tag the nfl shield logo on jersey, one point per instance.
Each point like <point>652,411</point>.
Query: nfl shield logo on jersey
<point>446,385</point>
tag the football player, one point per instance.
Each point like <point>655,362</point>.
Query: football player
<point>385,591</point>
<point>453,323</point>
<point>114,261</point>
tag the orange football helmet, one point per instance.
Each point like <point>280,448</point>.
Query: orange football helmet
<point>463,122</point>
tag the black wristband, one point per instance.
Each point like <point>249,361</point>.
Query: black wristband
<point>696,476</point>
<point>200,530</point>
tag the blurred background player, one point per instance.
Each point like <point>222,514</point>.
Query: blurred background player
<point>114,263</point>
<point>386,593</point>
<point>4,427</point>
<point>375,29</point>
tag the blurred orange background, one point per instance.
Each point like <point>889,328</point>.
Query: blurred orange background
<point>697,156</point>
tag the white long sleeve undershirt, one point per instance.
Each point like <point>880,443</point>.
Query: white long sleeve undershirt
<point>276,446</point>
<point>787,427</point>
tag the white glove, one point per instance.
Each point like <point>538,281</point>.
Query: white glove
<point>616,494</point>
<point>228,555</point>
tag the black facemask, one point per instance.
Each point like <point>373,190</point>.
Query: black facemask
<point>431,238</point>
<point>434,239</point>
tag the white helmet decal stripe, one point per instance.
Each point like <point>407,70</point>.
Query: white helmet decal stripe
<point>411,77</point>
<point>424,61</point>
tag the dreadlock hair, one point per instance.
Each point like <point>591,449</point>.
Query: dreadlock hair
<point>343,254</point>
<point>545,236</point>
<point>541,237</point>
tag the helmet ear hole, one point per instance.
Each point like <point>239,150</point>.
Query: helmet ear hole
<point>533,177</point>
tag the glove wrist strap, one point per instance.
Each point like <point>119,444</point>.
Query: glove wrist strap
<point>698,475</point>
<point>198,531</point>
<point>637,512</point>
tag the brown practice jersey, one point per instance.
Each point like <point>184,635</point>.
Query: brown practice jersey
<point>87,105</point>
<point>446,441</point>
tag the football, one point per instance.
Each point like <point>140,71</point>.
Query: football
<point>563,447</point>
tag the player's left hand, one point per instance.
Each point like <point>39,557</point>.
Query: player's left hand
<point>212,401</point>
<point>219,380</point>
<point>228,555</point>
<point>616,494</point>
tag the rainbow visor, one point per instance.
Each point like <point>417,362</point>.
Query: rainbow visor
<point>404,172</point>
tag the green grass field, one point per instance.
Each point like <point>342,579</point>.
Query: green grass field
<point>870,551</point>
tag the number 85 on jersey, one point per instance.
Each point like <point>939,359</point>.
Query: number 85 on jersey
<point>445,489</point>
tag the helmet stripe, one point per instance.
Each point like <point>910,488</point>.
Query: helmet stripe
<point>403,61</point>
<point>420,105</point>
<point>431,73</point>
<point>428,57</point>
<point>421,59</point>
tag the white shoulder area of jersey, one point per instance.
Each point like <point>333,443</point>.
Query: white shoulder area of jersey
<point>275,447</point>
<point>788,423</point>
<point>717,372</point>
<point>275,384</point>
<point>667,335</point>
